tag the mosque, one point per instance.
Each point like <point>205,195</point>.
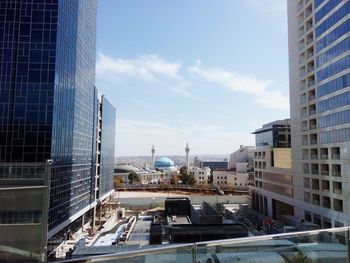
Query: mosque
<point>165,164</point>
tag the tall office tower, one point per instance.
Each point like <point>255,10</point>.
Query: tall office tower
<point>319,55</point>
<point>105,155</point>
<point>47,98</point>
<point>106,148</point>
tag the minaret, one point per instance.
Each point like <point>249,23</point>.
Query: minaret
<point>187,150</point>
<point>153,156</point>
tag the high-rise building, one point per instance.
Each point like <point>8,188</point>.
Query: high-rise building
<point>105,148</point>
<point>48,109</point>
<point>319,55</point>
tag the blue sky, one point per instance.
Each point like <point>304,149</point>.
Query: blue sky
<point>206,72</point>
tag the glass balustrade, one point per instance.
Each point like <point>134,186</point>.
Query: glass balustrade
<point>328,245</point>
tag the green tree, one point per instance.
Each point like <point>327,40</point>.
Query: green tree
<point>134,177</point>
<point>187,179</point>
<point>183,170</point>
<point>301,258</point>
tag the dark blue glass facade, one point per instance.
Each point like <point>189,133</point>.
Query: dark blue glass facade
<point>333,19</point>
<point>333,119</point>
<point>107,147</point>
<point>331,37</point>
<point>47,74</point>
<point>73,115</point>
<point>276,136</point>
<point>28,32</point>
<point>333,58</point>
<point>318,3</point>
<point>324,10</point>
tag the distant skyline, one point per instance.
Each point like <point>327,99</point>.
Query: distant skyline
<point>204,72</point>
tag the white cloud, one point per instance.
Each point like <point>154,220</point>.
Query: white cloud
<point>167,74</point>
<point>265,97</point>
<point>148,67</point>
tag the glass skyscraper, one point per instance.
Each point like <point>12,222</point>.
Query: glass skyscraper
<point>47,106</point>
<point>319,50</point>
<point>107,155</point>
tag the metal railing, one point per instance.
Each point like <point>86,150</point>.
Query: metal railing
<point>327,245</point>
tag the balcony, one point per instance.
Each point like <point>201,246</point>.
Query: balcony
<point>335,156</point>
<point>300,6</point>
<point>312,97</point>
<point>327,245</point>
<point>309,55</point>
<point>312,112</point>
<point>313,141</point>
<point>325,172</point>
<point>324,156</point>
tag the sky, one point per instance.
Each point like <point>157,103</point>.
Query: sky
<point>199,71</point>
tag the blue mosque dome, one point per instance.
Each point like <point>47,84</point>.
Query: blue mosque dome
<point>164,163</point>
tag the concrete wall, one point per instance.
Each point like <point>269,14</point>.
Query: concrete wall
<point>282,157</point>
<point>229,178</point>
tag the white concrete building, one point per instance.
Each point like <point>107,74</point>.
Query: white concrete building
<point>201,175</point>
<point>245,154</point>
<point>230,178</point>
<point>319,66</point>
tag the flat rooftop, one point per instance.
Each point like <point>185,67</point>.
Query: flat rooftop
<point>178,220</point>
<point>140,233</point>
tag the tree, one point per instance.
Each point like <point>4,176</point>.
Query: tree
<point>117,181</point>
<point>300,257</point>
<point>133,177</point>
<point>183,170</point>
<point>187,179</point>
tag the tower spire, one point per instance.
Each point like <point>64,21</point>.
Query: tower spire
<point>153,151</point>
<point>187,150</point>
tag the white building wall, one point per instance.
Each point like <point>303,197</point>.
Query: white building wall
<point>200,174</point>
<point>243,154</point>
<point>229,178</point>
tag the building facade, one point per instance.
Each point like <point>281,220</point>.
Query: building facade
<point>202,175</point>
<point>48,107</point>
<point>244,156</point>
<point>272,188</point>
<point>319,55</point>
<point>213,165</point>
<point>230,179</point>
<point>105,148</point>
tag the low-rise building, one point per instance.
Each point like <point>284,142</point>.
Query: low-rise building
<point>213,165</point>
<point>245,154</point>
<point>272,190</point>
<point>231,179</point>
<point>202,175</point>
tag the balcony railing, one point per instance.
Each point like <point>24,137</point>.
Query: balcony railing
<point>335,156</point>
<point>314,156</point>
<point>327,245</point>
<point>325,172</point>
<point>324,156</point>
